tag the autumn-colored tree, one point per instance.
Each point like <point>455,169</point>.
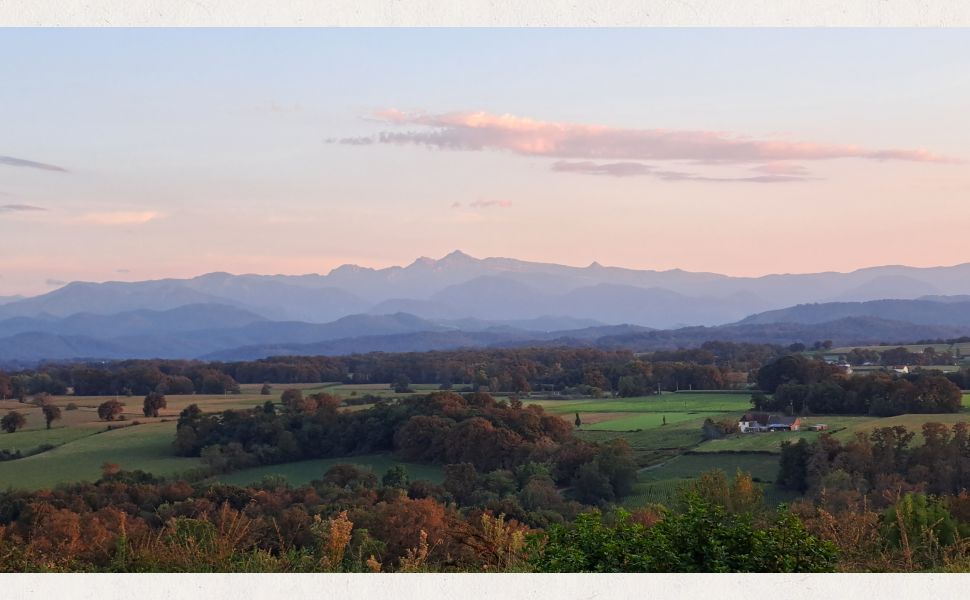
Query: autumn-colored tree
<point>109,410</point>
<point>292,399</point>
<point>12,421</point>
<point>334,536</point>
<point>328,403</point>
<point>400,524</point>
<point>498,542</point>
<point>736,497</point>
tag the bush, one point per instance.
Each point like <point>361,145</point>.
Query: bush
<point>703,538</point>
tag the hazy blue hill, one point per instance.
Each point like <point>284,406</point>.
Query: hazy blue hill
<point>921,312</point>
<point>47,346</point>
<point>850,330</point>
<point>409,342</point>
<point>110,298</point>
<point>190,317</point>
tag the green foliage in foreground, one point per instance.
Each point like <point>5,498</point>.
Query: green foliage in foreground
<point>703,538</point>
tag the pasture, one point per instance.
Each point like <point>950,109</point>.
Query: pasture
<point>299,473</point>
<point>668,402</point>
<point>82,443</point>
<point>638,421</point>
<point>661,483</point>
<point>382,390</point>
<point>83,421</point>
<point>147,447</point>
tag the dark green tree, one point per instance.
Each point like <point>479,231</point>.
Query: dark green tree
<point>51,413</point>
<point>402,384</point>
<point>396,476</point>
<point>154,402</point>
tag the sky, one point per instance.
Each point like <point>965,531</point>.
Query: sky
<point>141,154</point>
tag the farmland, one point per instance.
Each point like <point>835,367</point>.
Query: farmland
<point>664,432</point>
<point>147,447</point>
<point>77,445</point>
<point>958,349</point>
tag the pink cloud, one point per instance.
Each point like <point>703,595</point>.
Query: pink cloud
<point>633,169</point>
<point>477,131</point>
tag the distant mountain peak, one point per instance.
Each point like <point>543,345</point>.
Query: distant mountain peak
<point>456,258</point>
<point>350,269</point>
<point>214,276</point>
<point>456,255</point>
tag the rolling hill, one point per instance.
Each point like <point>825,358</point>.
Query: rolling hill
<point>921,312</point>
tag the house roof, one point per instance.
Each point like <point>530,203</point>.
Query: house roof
<point>759,417</point>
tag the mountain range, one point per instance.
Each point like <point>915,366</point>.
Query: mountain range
<point>461,301</point>
<point>459,286</point>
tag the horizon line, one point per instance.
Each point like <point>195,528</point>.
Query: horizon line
<point>592,265</point>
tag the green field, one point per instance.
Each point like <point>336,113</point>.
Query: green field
<point>82,443</point>
<point>651,446</point>
<point>30,440</point>
<point>661,483</point>
<point>384,390</point>
<point>669,402</point>
<point>302,472</point>
<point>640,421</point>
<point>147,447</point>
<point>686,466</point>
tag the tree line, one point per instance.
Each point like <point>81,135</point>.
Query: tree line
<point>125,378</point>
<point>800,385</point>
<point>715,365</point>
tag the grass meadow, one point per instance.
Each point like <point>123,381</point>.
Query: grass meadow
<point>299,473</point>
